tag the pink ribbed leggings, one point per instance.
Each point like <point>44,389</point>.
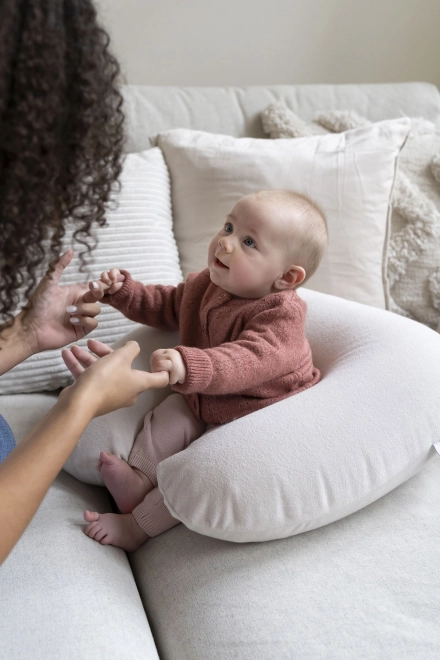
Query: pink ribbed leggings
<point>168,429</point>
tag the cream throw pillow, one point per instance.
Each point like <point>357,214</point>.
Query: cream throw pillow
<point>350,175</point>
<point>139,237</point>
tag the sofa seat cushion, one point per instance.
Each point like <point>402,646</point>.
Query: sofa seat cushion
<point>62,595</point>
<point>364,587</point>
<point>23,411</point>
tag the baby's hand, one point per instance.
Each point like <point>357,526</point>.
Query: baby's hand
<point>113,280</point>
<point>168,359</point>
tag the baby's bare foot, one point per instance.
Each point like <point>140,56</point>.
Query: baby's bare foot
<point>115,529</point>
<point>127,485</point>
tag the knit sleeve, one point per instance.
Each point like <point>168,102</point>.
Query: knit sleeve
<point>152,304</point>
<point>265,349</point>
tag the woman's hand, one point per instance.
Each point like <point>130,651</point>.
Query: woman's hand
<point>59,314</point>
<point>106,376</point>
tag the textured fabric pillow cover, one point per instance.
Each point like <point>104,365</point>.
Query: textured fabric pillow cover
<point>350,175</point>
<point>139,237</point>
<point>313,458</point>
<point>414,248</point>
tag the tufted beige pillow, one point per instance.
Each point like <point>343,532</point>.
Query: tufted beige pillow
<point>413,259</point>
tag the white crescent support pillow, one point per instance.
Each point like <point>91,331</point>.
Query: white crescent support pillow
<point>316,457</point>
<point>320,455</point>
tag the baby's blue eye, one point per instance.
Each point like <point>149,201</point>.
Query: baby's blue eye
<point>249,242</point>
<point>229,228</point>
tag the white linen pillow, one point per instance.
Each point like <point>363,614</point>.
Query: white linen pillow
<point>139,237</point>
<point>316,457</point>
<point>350,175</point>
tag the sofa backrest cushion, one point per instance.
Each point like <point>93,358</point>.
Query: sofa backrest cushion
<point>236,110</point>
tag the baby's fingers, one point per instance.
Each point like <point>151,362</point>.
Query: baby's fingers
<point>115,275</point>
<point>159,361</point>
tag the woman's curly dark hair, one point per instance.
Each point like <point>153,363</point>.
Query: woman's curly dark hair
<point>61,133</point>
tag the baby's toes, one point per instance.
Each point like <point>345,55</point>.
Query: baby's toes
<point>93,529</point>
<point>105,539</point>
<point>100,536</point>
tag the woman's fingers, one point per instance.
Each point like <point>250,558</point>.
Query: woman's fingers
<point>83,324</point>
<point>85,357</point>
<point>77,359</point>
<point>83,316</point>
<point>84,309</point>
<point>99,348</point>
<point>60,265</point>
<point>97,290</point>
<point>110,382</point>
<point>72,363</point>
<point>149,380</point>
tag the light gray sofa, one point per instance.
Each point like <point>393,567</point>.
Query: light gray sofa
<point>366,586</point>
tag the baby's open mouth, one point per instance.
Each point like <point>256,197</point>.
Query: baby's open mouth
<point>218,263</point>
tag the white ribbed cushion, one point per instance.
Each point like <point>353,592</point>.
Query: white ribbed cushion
<point>139,237</point>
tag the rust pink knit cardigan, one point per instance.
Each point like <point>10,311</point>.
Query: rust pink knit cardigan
<point>240,354</point>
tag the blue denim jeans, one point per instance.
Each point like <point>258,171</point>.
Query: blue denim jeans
<point>7,442</point>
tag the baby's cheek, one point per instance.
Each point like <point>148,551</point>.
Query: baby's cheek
<point>245,273</point>
<point>211,250</point>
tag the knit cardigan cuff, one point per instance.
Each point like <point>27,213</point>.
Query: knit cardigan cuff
<point>199,370</point>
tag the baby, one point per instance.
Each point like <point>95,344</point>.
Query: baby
<point>243,346</point>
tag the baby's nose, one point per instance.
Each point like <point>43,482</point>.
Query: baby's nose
<point>225,244</point>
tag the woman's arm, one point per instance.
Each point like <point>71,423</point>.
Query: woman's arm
<point>14,345</point>
<point>29,470</point>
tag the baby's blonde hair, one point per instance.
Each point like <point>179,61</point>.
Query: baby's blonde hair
<point>308,239</point>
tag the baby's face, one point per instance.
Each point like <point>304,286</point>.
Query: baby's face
<point>248,254</point>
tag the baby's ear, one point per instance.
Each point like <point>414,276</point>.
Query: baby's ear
<point>291,278</point>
